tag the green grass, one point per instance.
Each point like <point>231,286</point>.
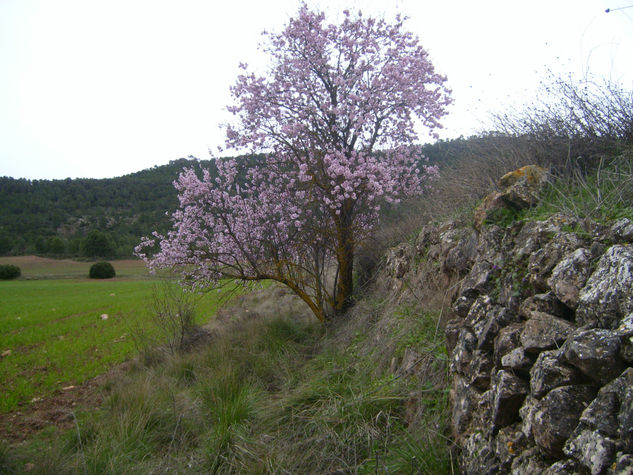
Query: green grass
<point>34,267</point>
<point>269,395</point>
<point>57,338</point>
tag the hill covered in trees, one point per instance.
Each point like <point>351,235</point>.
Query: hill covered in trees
<point>90,217</point>
<point>107,217</point>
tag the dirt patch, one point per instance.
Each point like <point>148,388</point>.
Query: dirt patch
<point>56,409</point>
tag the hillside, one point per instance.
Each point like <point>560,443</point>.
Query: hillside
<point>50,217</point>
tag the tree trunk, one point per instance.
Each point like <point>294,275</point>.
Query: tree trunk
<point>345,258</point>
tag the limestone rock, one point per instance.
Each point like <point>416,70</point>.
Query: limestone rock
<point>517,360</point>
<point>544,332</point>
<point>477,457</point>
<point>509,443</point>
<point>506,341</point>
<point>478,280</point>
<point>545,303</point>
<point>530,462</point>
<point>526,413</point>
<point>463,352</point>
<point>462,304</point>
<point>544,260</point>
<point>564,467</point>
<point>594,450</point>
<point>557,415</point>
<point>486,319</point>
<point>520,189</point>
<point>490,204</point>
<point>428,235</point>
<point>464,401</point>
<point>550,372</point>
<point>509,391</point>
<point>611,412</point>
<point>622,230</point>
<point>479,370</point>
<point>523,186</point>
<point>625,330</point>
<point>623,465</point>
<point>570,275</point>
<point>595,352</point>
<point>460,256</point>
<point>399,260</point>
<point>608,295</point>
<point>451,330</point>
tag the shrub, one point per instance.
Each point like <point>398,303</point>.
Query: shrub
<point>102,270</point>
<point>9,271</point>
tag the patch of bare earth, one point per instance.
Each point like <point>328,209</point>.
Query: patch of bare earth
<point>56,409</point>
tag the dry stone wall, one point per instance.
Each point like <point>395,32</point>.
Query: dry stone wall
<point>541,346</point>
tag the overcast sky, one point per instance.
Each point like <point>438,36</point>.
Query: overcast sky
<point>105,88</point>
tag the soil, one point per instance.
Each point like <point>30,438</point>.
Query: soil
<point>56,409</point>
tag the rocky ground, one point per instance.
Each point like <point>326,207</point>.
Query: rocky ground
<point>541,346</point>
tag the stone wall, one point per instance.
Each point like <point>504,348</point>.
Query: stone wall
<point>541,348</point>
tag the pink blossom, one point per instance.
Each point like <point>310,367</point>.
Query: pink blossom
<point>336,117</point>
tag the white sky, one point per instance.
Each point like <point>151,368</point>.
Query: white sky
<point>104,88</point>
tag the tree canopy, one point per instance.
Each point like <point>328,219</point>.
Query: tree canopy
<point>336,117</point>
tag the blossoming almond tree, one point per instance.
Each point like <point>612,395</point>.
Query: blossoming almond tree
<point>335,116</point>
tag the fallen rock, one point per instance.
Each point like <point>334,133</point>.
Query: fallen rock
<point>608,295</point>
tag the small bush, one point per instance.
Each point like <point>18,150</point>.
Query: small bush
<point>102,270</point>
<point>9,271</point>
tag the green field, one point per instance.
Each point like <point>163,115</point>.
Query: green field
<point>34,267</point>
<point>53,332</point>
